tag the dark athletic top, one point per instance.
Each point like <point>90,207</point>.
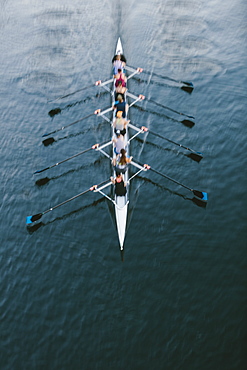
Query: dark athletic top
<point>121,107</point>
<point>120,189</point>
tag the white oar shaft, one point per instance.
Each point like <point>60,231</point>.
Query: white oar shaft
<point>106,82</point>
<point>104,145</point>
<point>105,111</point>
<point>103,187</point>
<point>130,69</point>
<point>134,127</point>
<point>132,95</point>
<point>137,173</point>
<point>135,101</point>
<point>133,74</point>
<point>138,166</point>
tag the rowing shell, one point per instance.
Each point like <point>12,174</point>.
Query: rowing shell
<point>121,202</point>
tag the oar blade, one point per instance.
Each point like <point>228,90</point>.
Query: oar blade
<point>199,202</point>
<point>31,219</point>
<point>187,89</point>
<point>188,123</point>
<point>55,111</point>
<point>34,227</point>
<point>49,141</point>
<point>197,157</point>
<point>42,181</point>
<point>201,194</point>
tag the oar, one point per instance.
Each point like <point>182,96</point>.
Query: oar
<point>65,96</point>
<point>167,78</point>
<point>185,122</point>
<point>172,110</point>
<point>199,194</point>
<point>197,156</point>
<point>73,123</point>
<point>73,156</point>
<point>70,124</point>
<point>36,217</point>
<point>97,83</point>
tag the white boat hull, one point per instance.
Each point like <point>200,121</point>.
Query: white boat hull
<point>121,203</point>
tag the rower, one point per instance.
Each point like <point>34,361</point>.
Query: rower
<point>120,105</point>
<point>120,90</point>
<point>120,185</point>
<point>119,142</point>
<point>120,123</point>
<point>121,162</point>
<point>120,76</point>
<point>122,58</point>
<point>118,64</point>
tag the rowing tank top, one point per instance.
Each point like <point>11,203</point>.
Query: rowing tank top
<point>120,189</point>
<point>119,124</point>
<point>119,145</point>
<point>120,79</point>
<point>121,106</point>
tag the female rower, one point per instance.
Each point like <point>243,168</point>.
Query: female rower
<point>120,105</point>
<point>119,143</point>
<point>120,90</point>
<point>121,162</point>
<point>120,123</point>
<point>120,76</point>
<point>120,185</point>
<point>118,64</point>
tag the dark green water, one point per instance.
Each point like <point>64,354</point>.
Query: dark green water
<point>179,299</point>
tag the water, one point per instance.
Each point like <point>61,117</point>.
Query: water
<point>179,299</point>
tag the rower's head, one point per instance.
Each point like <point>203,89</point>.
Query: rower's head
<point>118,57</point>
<point>123,152</point>
<point>119,114</point>
<point>119,70</point>
<point>119,83</point>
<point>120,98</point>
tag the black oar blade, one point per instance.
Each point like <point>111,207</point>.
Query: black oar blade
<point>49,141</point>
<point>201,194</point>
<point>31,219</point>
<point>34,227</point>
<point>188,123</point>
<point>55,111</point>
<point>199,202</point>
<point>187,89</point>
<point>43,181</point>
<point>195,157</point>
